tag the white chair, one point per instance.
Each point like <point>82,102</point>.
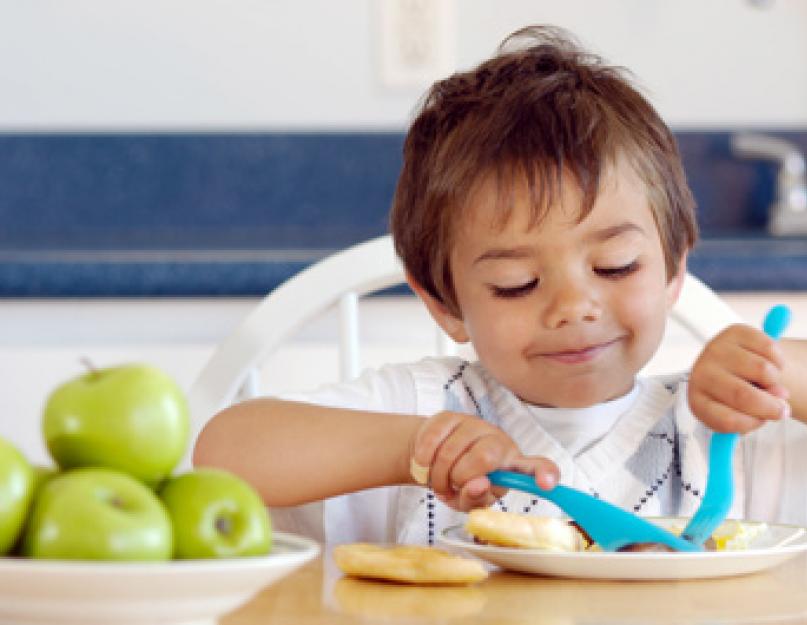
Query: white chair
<point>340,280</point>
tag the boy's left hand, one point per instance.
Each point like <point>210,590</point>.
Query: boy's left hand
<point>736,383</point>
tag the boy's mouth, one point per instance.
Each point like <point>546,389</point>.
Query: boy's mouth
<point>575,356</point>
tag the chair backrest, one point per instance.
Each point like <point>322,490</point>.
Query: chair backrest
<point>339,281</point>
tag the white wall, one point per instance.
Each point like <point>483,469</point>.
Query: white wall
<point>313,64</point>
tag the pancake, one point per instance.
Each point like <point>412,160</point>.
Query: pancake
<point>508,529</point>
<point>412,564</point>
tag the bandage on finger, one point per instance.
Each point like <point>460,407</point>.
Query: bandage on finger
<point>418,472</point>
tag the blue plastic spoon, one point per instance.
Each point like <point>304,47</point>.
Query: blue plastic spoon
<point>612,528</point>
<point>720,479</point>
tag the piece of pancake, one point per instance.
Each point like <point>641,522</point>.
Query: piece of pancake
<point>508,529</point>
<point>412,564</point>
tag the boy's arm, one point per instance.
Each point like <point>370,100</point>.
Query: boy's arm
<point>795,375</point>
<point>294,453</point>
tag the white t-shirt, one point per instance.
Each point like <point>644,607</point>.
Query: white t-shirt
<point>644,452</point>
<point>577,429</point>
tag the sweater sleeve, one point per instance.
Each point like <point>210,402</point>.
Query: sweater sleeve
<point>390,388</point>
<point>775,459</point>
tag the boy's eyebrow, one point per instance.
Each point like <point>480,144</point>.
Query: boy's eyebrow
<point>525,251</point>
<point>614,231</point>
<point>505,252</point>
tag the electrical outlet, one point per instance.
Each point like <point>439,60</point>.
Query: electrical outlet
<point>417,40</point>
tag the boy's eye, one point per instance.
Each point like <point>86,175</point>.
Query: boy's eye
<point>514,291</point>
<point>617,272</point>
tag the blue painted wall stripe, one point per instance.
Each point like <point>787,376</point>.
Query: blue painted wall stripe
<point>169,211</point>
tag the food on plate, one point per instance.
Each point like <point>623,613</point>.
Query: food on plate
<point>508,529</point>
<point>733,535</point>
<point>646,548</point>
<point>412,564</point>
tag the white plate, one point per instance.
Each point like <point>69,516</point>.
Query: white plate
<point>134,593</point>
<point>772,547</point>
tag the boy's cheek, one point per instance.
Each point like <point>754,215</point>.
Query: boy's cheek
<point>502,341</point>
<point>492,327</point>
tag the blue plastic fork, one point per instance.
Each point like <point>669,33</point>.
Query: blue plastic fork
<point>612,528</point>
<point>719,481</point>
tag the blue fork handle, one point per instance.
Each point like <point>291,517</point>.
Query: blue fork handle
<point>721,446</point>
<point>609,526</point>
<point>724,443</point>
<point>776,321</point>
<point>719,494</point>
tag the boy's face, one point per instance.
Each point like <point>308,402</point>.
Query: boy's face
<point>563,314</point>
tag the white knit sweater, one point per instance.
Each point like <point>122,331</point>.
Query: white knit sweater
<point>651,459</point>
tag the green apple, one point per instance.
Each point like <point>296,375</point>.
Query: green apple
<point>16,493</point>
<point>97,514</point>
<point>42,475</point>
<point>216,515</point>
<point>133,418</point>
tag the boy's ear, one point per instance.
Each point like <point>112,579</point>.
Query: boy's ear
<point>450,323</point>
<point>675,285</point>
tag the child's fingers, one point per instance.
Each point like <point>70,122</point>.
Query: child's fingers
<point>489,454</point>
<point>484,454</point>
<point>758,342</point>
<point>750,339</point>
<point>722,417</point>
<point>779,391</point>
<point>758,369</point>
<point>742,396</point>
<point>476,493</point>
<point>474,446</point>
<point>428,440</point>
<point>470,452</point>
<point>546,472</point>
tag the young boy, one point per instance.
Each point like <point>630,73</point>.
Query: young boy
<point>542,214</point>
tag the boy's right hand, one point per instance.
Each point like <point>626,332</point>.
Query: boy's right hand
<point>460,450</point>
<point>737,383</point>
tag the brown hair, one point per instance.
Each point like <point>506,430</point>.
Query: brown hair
<point>534,112</point>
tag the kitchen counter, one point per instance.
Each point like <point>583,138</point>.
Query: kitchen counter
<point>317,593</point>
<point>732,264</point>
<point>161,215</point>
<point>751,263</point>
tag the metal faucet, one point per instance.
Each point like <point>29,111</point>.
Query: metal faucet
<point>788,213</point>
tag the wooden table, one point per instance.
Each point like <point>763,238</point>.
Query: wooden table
<point>318,593</point>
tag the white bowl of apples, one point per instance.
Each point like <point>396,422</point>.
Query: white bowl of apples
<point>109,534</point>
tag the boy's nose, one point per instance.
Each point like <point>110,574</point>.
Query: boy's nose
<point>572,304</point>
